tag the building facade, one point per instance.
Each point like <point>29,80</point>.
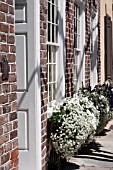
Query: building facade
<point>106,16</point>
<point>50,48</point>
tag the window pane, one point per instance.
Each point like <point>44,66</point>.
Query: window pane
<point>49,11</point>
<point>50,72</point>
<point>49,31</point>
<point>75,26</point>
<point>75,41</point>
<point>53,33</point>
<point>56,15</point>
<point>56,34</point>
<point>54,91</point>
<point>50,92</point>
<point>54,72</point>
<point>78,27</point>
<point>75,72</point>
<point>54,54</point>
<point>50,55</point>
<point>78,41</point>
<point>53,11</point>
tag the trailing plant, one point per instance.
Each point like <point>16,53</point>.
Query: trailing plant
<point>77,119</point>
<point>101,101</point>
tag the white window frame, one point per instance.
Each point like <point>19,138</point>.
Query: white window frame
<point>81,50</point>
<point>93,46</point>
<point>60,58</point>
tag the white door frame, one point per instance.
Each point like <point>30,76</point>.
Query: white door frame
<point>37,83</point>
<point>35,38</point>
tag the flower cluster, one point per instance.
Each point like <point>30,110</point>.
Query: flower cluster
<point>77,119</point>
<point>101,102</point>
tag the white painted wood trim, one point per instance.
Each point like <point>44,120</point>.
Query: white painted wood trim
<point>61,50</point>
<point>81,4</point>
<point>37,82</point>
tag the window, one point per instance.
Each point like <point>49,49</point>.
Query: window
<point>55,64</point>
<point>77,26</point>
<point>79,45</point>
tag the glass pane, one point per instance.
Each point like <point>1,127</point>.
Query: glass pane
<point>50,72</point>
<point>78,27</point>
<point>75,40</point>
<point>56,34</point>
<point>53,10</point>
<point>53,1</point>
<point>75,26</point>
<point>78,39</point>
<point>53,33</point>
<point>48,11</point>
<point>50,54</point>
<point>56,15</point>
<point>76,58</point>
<point>54,72</point>
<point>54,54</point>
<point>50,92</point>
<point>75,72</point>
<point>54,91</point>
<point>78,12</point>
<point>49,31</point>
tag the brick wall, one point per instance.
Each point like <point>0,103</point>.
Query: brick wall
<point>43,60</point>
<point>8,99</point>
<point>99,59</point>
<point>69,43</point>
<point>87,41</point>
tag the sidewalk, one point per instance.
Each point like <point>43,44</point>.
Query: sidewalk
<point>98,155</point>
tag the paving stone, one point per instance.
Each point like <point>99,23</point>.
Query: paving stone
<point>98,155</point>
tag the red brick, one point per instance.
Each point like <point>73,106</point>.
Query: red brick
<point>6,88</point>
<point>8,147</point>
<point>3,119</point>
<point>2,17</point>
<point>13,68</point>
<point>13,88</point>
<point>11,58</point>
<point>7,128</point>
<point>4,48</point>
<point>10,39</point>
<point>13,134</point>
<point>3,99</point>
<point>6,109</point>
<point>15,143</point>
<point>11,10</point>
<point>1,150</point>
<point>1,130</point>
<point>11,29</point>
<point>4,7</point>
<point>4,139</point>
<point>14,154</point>
<point>12,78</point>
<point>12,97</point>
<point>2,38</point>
<point>13,116</point>
<point>5,158</point>
<point>10,19</point>
<point>10,2</point>
<point>8,166</point>
<point>12,49</point>
<point>14,106</point>
<point>15,125</point>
